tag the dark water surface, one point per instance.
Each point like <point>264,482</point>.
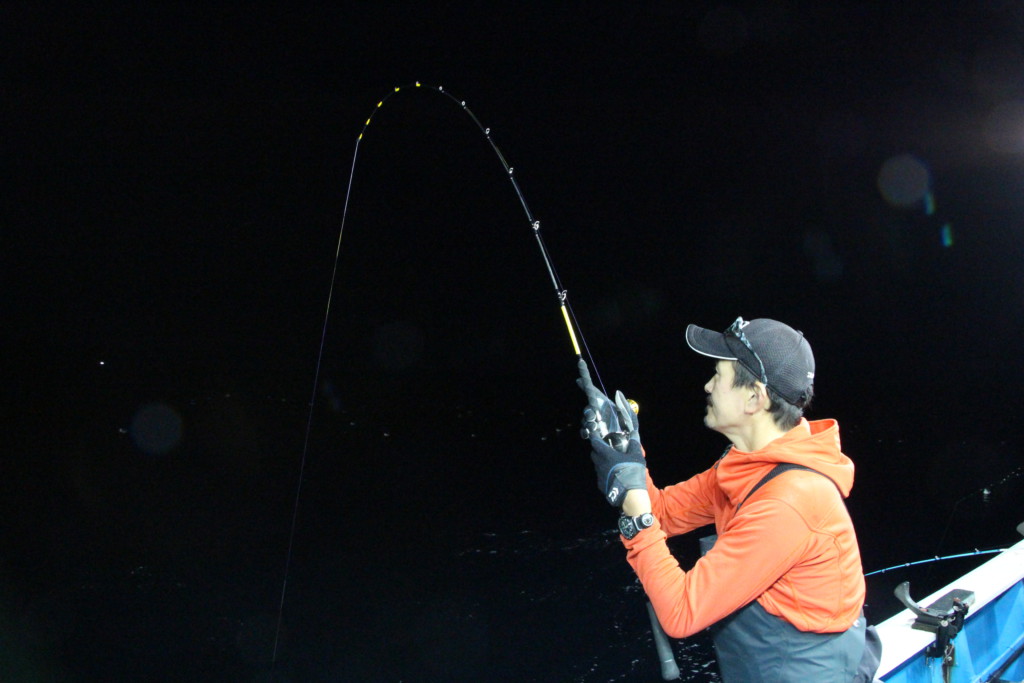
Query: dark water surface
<point>433,545</point>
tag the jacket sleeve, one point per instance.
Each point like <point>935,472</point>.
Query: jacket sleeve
<point>684,506</point>
<point>756,548</point>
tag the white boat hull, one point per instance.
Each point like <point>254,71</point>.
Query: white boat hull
<point>992,635</point>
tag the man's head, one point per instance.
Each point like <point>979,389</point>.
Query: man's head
<point>764,353</point>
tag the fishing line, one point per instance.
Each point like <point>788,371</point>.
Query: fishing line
<point>985,492</point>
<point>568,316</point>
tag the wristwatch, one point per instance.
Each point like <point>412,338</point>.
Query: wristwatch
<point>629,527</point>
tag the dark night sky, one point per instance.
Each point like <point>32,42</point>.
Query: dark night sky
<point>175,183</point>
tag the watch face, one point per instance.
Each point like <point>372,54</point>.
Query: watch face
<point>626,527</point>
<point>631,526</point>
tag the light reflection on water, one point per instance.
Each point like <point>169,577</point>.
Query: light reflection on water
<point>450,545</point>
<point>586,587</point>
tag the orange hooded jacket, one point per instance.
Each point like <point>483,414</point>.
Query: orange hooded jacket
<point>791,546</point>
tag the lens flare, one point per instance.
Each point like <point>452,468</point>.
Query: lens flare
<point>904,180</point>
<point>156,428</point>
<point>947,235</point>
<point>1004,128</point>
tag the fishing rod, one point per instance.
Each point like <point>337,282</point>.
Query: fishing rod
<point>669,669</point>
<point>929,560</point>
<point>560,291</point>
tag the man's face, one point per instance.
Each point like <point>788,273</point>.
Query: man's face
<point>725,404</point>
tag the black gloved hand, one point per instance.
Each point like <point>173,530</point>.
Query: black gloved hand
<point>603,417</point>
<point>617,471</point>
<point>614,434</point>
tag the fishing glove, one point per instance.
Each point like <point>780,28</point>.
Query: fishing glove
<point>619,467</point>
<point>618,472</point>
<point>601,415</point>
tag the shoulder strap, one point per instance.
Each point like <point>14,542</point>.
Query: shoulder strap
<point>724,453</point>
<point>776,471</point>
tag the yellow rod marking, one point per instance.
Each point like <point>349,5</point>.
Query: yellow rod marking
<point>572,335</point>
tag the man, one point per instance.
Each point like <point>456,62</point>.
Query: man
<point>782,586</point>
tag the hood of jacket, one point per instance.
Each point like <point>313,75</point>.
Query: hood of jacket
<point>811,444</point>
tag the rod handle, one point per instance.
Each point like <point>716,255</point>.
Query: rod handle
<point>669,668</point>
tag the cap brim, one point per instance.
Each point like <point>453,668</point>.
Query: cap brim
<point>708,343</point>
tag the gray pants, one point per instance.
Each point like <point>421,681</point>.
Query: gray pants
<point>753,646</point>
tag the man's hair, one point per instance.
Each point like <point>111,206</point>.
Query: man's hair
<point>785,414</point>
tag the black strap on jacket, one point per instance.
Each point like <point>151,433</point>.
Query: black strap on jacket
<point>707,542</point>
<point>776,471</point>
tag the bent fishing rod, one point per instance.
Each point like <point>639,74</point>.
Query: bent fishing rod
<point>930,560</point>
<point>669,669</point>
<point>955,556</point>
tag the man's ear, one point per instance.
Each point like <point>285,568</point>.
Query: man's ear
<point>758,398</point>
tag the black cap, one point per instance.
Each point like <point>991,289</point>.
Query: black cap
<point>784,353</point>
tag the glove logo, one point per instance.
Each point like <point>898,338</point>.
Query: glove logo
<point>613,495</point>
